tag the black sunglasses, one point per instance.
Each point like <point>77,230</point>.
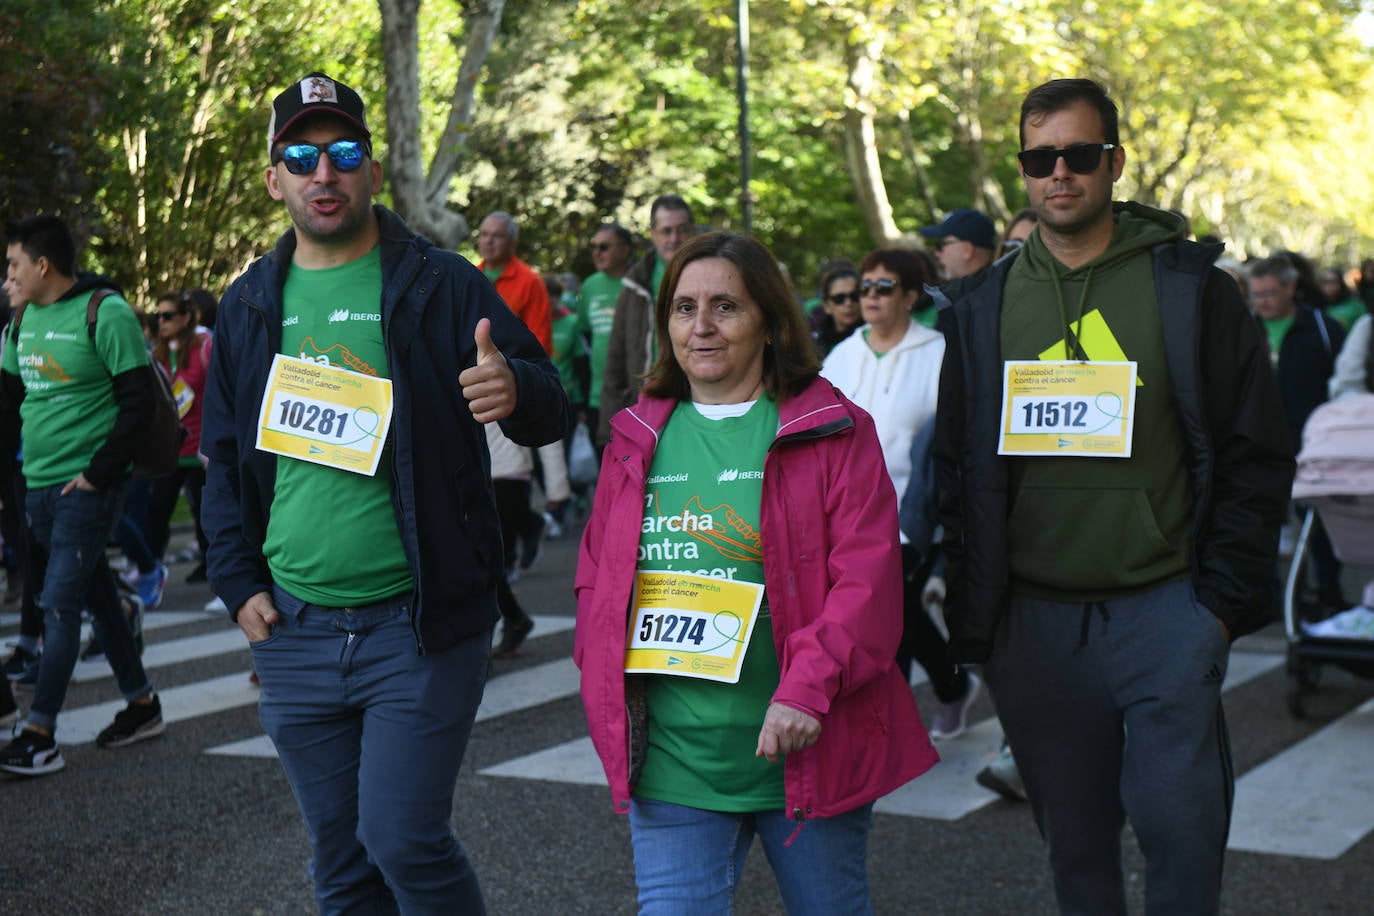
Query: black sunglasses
<point>602,246</point>
<point>842,298</point>
<point>883,287</point>
<point>167,316</point>
<point>1083,158</point>
<point>302,158</point>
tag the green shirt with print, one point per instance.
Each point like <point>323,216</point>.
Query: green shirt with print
<point>595,314</point>
<point>702,510</point>
<point>567,350</point>
<point>332,539</point>
<point>69,405</point>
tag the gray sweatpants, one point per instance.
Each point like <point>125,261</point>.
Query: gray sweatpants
<point>1113,709</point>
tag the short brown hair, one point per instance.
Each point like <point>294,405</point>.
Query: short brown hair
<point>789,360</point>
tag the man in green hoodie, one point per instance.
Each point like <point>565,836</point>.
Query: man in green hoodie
<point>1112,485</point>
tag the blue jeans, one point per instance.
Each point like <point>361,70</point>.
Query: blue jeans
<point>688,861</point>
<point>69,537</point>
<point>371,735</point>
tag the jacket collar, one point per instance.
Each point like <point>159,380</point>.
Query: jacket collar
<point>818,406</point>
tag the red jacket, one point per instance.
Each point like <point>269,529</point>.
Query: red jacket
<point>191,370</point>
<point>832,574</point>
<point>525,294</point>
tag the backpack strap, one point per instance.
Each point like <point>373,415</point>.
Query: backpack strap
<point>16,319</point>
<point>93,309</point>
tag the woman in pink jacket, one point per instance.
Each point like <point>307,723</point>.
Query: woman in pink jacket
<point>739,603</point>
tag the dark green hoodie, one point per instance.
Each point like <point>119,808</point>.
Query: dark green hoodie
<point>1090,529</point>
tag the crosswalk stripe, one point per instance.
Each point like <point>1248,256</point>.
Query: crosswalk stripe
<point>152,620</point>
<point>504,694</point>
<point>1313,799</point>
<point>171,652</point>
<point>574,761</point>
<point>80,726</point>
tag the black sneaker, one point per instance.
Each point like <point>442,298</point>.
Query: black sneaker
<point>92,651</point>
<point>32,754</point>
<point>18,662</point>
<point>513,633</point>
<point>137,722</point>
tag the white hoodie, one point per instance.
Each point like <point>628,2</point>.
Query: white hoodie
<point>898,389</point>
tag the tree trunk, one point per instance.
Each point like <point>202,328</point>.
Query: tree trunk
<point>423,200</point>
<point>861,146</point>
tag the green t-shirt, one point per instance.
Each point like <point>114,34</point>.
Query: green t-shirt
<point>69,405</point>
<point>567,348</point>
<point>332,537</point>
<point>703,734</point>
<point>1277,329</point>
<point>595,314</point>
<point>1347,312</point>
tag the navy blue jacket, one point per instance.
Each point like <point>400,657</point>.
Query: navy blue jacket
<point>1240,461</point>
<point>441,489</point>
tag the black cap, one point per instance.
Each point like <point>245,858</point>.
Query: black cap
<point>966,225</point>
<point>312,95</point>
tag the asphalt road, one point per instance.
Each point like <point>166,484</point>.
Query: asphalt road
<point>165,827</point>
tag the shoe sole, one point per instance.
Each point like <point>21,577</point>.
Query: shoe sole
<point>989,780</point>
<point>150,730</point>
<point>52,766</point>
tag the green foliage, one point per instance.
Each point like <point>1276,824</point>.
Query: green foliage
<point>143,120</point>
<point>56,107</point>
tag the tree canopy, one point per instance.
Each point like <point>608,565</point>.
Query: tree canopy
<point>143,121</point>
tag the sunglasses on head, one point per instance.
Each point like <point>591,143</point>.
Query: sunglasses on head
<point>1083,158</point>
<point>842,298</point>
<point>302,158</point>
<point>883,287</point>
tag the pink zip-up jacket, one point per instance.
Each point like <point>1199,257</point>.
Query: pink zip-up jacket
<point>832,574</point>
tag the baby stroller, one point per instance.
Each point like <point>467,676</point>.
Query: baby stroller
<point>1335,481</point>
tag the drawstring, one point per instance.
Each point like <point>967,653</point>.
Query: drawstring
<point>1087,619</point>
<point>1070,334</point>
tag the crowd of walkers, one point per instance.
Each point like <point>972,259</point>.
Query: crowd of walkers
<point>1042,463</point>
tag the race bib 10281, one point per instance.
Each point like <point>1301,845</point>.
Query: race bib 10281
<point>325,415</point>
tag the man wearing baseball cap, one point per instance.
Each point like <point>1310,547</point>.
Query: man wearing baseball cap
<point>353,531</point>
<point>963,242</point>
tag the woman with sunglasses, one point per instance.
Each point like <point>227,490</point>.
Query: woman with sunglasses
<point>1018,230</point>
<point>839,313</point>
<point>891,368</point>
<point>183,350</point>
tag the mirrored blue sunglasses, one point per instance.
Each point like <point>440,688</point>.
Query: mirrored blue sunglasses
<point>302,158</point>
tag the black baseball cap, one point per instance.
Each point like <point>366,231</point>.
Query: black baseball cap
<point>967,225</point>
<point>314,94</point>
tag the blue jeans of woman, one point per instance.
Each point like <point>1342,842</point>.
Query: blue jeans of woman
<point>371,735</point>
<point>688,860</point>
<point>69,537</point>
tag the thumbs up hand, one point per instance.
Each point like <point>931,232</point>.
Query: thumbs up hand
<point>488,386</point>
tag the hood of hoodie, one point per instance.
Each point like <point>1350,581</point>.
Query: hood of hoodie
<point>1138,228</point>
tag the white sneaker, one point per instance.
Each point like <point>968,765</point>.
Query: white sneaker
<point>1356,623</point>
<point>951,719</point>
<point>216,605</point>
